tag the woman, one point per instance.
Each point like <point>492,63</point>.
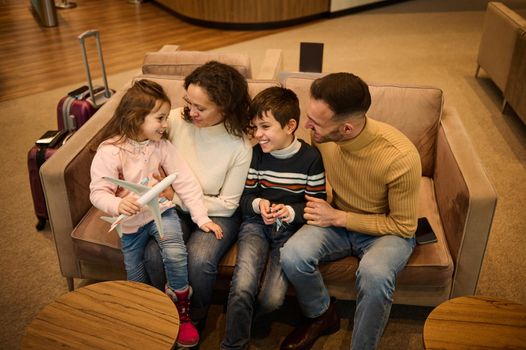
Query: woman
<point>209,133</point>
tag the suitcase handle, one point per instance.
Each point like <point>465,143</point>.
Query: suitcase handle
<point>82,38</point>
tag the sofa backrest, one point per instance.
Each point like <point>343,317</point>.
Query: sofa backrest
<point>182,63</point>
<point>78,188</point>
<point>414,110</point>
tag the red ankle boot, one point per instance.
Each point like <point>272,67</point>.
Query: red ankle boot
<point>188,335</point>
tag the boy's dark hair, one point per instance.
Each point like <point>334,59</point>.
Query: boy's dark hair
<point>228,89</point>
<point>138,101</point>
<point>345,93</point>
<point>281,102</point>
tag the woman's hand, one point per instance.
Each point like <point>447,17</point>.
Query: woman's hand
<point>320,213</point>
<point>215,228</point>
<point>129,206</point>
<point>168,192</point>
<point>266,214</point>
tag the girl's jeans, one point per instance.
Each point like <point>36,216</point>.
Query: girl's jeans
<point>381,258</point>
<point>204,253</point>
<point>172,248</point>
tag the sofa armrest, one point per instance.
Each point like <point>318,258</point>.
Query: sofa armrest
<point>169,48</point>
<point>271,66</point>
<point>65,181</point>
<point>516,88</point>
<point>466,202</point>
<point>499,34</point>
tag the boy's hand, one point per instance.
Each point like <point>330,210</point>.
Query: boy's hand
<point>266,214</point>
<point>280,211</point>
<point>215,228</point>
<point>129,206</point>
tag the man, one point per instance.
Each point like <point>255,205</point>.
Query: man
<point>375,174</point>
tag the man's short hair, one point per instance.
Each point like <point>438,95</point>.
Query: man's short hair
<point>281,102</point>
<point>345,93</point>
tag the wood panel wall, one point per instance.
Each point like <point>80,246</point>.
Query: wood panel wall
<point>34,58</point>
<point>247,11</point>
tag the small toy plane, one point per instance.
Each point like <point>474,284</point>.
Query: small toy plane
<point>148,196</point>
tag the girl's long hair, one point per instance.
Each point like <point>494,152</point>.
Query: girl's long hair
<point>135,105</point>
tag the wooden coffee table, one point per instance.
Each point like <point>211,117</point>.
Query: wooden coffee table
<point>476,322</point>
<point>107,315</point>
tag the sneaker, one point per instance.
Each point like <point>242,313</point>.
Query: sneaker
<point>188,335</point>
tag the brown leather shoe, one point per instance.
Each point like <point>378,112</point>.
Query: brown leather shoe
<point>304,336</point>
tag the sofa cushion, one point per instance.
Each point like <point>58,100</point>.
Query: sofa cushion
<point>174,86</point>
<point>414,110</point>
<point>430,265</point>
<point>182,63</point>
<point>94,243</point>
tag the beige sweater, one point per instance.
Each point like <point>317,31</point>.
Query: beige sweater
<point>375,178</point>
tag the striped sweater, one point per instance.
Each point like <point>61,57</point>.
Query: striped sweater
<point>375,178</point>
<point>284,181</point>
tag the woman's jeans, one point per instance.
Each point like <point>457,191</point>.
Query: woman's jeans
<point>204,253</point>
<point>253,244</point>
<point>381,258</point>
<point>172,251</point>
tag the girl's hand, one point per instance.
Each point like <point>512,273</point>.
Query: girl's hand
<point>280,211</point>
<point>129,206</point>
<point>215,228</point>
<point>266,214</point>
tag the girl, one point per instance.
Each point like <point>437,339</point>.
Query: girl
<point>135,147</point>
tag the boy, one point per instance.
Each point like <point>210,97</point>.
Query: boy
<point>283,170</point>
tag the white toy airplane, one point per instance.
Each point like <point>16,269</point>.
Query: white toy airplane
<point>148,196</point>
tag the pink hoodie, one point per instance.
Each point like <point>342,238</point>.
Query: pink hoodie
<point>136,162</point>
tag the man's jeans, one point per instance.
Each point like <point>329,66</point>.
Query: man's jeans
<point>381,258</point>
<point>172,250</point>
<point>254,241</point>
<point>204,253</point>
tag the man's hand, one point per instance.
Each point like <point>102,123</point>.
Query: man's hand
<point>129,206</point>
<point>266,213</point>
<point>320,213</point>
<point>215,228</point>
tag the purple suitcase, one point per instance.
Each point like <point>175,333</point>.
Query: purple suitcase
<point>74,109</point>
<point>36,156</point>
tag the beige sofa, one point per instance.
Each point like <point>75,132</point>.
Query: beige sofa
<point>502,54</point>
<point>456,196</point>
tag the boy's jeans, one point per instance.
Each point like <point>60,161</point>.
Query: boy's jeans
<point>173,251</point>
<point>254,241</point>
<point>381,258</point>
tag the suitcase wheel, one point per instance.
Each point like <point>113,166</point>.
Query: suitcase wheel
<point>40,224</point>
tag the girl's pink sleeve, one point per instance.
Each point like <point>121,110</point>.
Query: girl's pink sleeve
<point>102,192</point>
<point>186,184</point>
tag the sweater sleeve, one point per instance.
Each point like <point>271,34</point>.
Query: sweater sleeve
<point>102,192</point>
<point>252,188</point>
<point>315,186</point>
<point>227,201</point>
<point>403,187</point>
<point>185,185</point>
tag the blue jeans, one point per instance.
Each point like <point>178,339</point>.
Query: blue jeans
<point>204,253</point>
<point>254,241</point>
<point>172,251</point>
<point>381,258</point>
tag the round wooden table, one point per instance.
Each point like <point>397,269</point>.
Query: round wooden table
<point>476,322</point>
<point>107,315</point>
